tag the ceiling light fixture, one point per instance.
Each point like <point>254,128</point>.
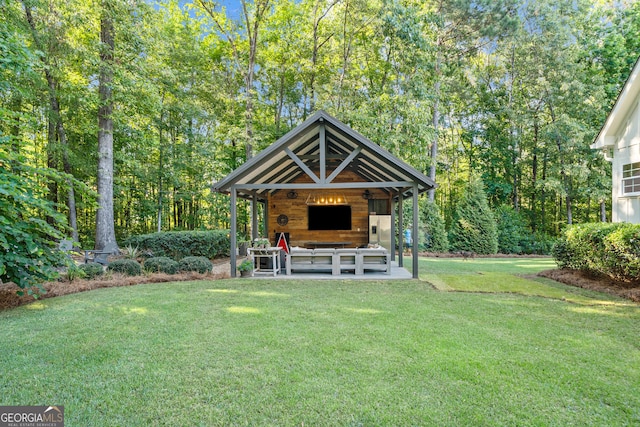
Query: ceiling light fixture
<point>326,199</point>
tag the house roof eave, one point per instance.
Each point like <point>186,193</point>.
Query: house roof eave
<point>606,138</point>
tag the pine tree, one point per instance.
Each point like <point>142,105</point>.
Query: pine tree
<point>434,236</point>
<point>474,225</point>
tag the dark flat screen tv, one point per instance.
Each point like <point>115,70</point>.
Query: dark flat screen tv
<point>330,217</point>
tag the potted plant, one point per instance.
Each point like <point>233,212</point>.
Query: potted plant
<point>261,243</point>
<point>246,268</point>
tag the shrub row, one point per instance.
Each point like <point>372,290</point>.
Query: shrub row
<point>179,244</point>
<point>132,267</point>
<point>609,249</point>
<point>195,263</point>
<point>91,270</point>
<point>161,264</point>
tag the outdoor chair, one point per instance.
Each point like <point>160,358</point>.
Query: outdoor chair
<point>101,256</point>
<point>66,247</point>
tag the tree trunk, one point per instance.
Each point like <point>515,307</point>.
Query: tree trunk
<point>160,169</point>
<point>252,31</point>
<point>52,161</point>
<point>314,53</point>
<point>280,105</point>
<point>436,120</point>
<point>543,193</point>
<point>105,227</point>
<point>513,142</point>
<point>71,194</point>
<point>346,53</point>
<point>603,212</point>
<point>534,177</point>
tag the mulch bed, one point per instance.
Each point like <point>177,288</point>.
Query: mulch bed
<point>629,290</point>
<point>9,298</point>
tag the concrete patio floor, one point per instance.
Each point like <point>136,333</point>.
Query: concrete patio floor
<point>397,273</point>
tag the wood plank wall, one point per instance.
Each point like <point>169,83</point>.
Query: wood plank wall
<point>296,211</point>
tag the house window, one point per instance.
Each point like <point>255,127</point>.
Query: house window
<point>631,178</point>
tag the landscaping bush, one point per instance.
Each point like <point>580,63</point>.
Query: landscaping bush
<point>515,236</point>
<point>433,236</point>
<point>127,266</point>
<point>91,270</point>
<point>474,226</point>
<point>513,233</point>
<point>161,264</point>
<point>608,249</point>
<point>540,244</point>
<point>73,273</point>
<point>179,244</point>
<point>195,263</point>
<point>28,250</point>
<point>561,254</point>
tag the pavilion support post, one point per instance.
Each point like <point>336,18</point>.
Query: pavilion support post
<point>254,217</point>
<point>394,230</point>
<point>414,245</point>
<point>234,230</point>
<point>400,229</point>
<point>265,218</point>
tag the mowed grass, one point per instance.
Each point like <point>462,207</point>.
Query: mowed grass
<point>323,353</point>
<point>503,275</point>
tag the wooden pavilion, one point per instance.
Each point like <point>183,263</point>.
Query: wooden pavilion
<point>324,162</point>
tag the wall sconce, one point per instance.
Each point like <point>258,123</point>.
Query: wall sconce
<point>326,199</point>
<point>367,194</point>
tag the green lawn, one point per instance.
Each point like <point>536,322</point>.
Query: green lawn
<point>502,275</point>
<point>326,353</point>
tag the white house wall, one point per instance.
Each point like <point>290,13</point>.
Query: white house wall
<point>627,209</point>
<point>627,150</point>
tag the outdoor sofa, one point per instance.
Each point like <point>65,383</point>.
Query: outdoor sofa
<point>337,261</point>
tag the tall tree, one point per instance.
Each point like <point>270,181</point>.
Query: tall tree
<point>105,228</point>
<point>461,29</point>
<point>253,17</point>
<point>28,252</point>
<point>57,134</point>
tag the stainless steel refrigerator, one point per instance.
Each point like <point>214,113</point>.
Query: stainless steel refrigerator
<point>380,230</point>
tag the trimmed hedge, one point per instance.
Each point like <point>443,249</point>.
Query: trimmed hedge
<point>179,244</point>
<point>127,266</point>
<point>161,264</point>
<point>91,270</point>
<point>609,249</point>
<point>195,263</point>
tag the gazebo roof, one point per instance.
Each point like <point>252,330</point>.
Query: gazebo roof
<point>321,147</point>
